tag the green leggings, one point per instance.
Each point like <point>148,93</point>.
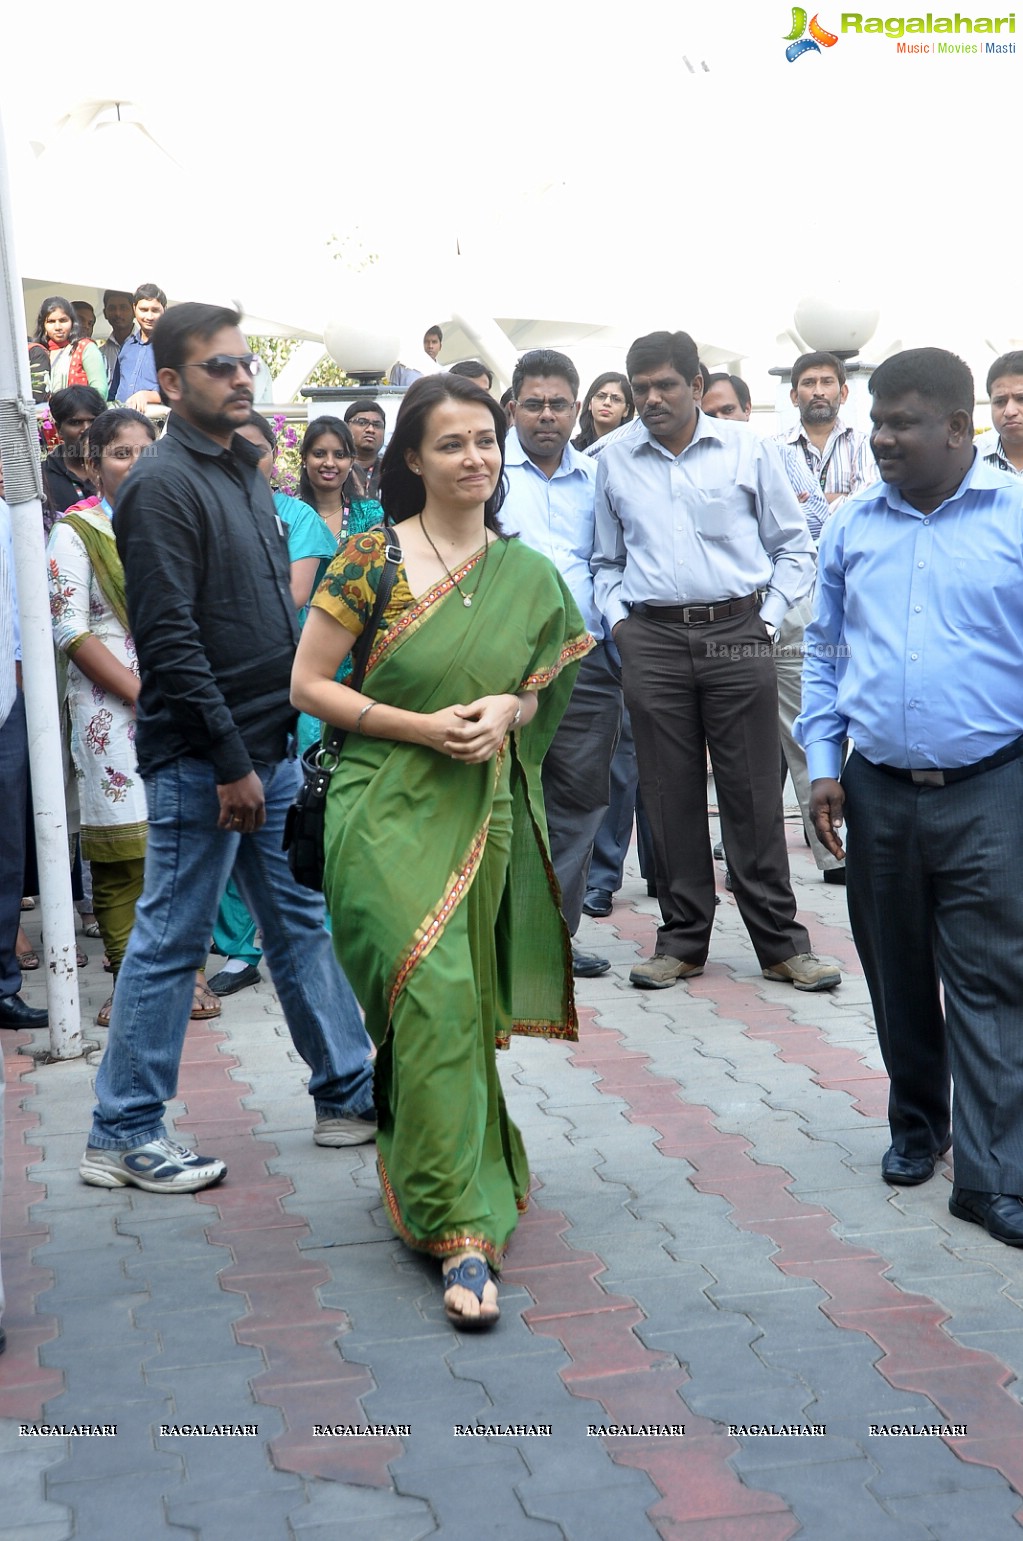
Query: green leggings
<point>116,886</point>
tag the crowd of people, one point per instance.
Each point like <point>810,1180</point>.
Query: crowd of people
<point>573,605</point>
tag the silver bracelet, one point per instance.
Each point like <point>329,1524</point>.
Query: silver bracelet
<point>358,721</point>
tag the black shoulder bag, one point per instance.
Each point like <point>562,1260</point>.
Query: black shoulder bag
<point>303,827</point>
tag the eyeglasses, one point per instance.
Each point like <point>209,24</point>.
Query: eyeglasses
<point>534,405</point>
<point>366,422</point>
<point>223,365</point>
<point>609,399</point>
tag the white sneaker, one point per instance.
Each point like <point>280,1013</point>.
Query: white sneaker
<point>159,1166</point>
<point>334,1130</point>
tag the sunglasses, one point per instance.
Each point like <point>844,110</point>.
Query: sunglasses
<point>366,422</point>
<point>223,365</point>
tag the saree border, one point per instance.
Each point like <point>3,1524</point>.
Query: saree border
<point>414,616</point>
<point>435,920</point>
<point>578,648</point>
<point>442,1246</point>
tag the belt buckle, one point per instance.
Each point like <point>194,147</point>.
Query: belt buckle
<point>927,778</point>
<point>685,614</point>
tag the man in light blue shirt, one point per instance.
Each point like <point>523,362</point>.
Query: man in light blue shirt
<point>550,506</point>
<point>701,549</point>
<point>916,654</point>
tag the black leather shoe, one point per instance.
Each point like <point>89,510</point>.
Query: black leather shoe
<point>1001,1214</point>
<point>834,875</point>
<point>16,1015</point>
<point>906,1171</point>
<point>597,902</point>
<point>226,983</point>
<point>587,965</point>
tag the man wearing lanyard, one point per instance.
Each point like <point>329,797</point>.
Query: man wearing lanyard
<point>916,653</point>
<point>838,454</point>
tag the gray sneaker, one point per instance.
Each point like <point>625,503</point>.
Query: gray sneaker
<point>806,971</point>
<point>159,1166</point>
<point>334,1130</point>
<point>658,972</point>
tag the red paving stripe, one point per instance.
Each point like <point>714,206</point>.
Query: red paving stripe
<point>633,1385</point>
<point>298,1337</point>
<point>25,1385</point>
<point>965,1385</point>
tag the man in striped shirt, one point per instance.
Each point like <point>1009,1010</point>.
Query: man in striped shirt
<point>838,454</point>
<point>1002,446</point>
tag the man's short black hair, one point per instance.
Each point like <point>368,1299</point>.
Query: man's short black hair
<point>544,363</point>
<point>354,408</point>
<point>149,292</point>
<point>934,373</point>
<point>73,399</point>
<point>676,349</point>
<point>818,360</point>
<point>115,294</point>
<point>1006,364</point>
<point>737,383</point>
<point>472,368</point>
<point>176,328</point>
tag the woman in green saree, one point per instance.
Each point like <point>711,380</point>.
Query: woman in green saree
<point>438,876</point>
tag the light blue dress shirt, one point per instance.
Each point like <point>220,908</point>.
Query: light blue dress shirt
<point>555,516</point>
<point>916,646</point>
<point>718,521</point>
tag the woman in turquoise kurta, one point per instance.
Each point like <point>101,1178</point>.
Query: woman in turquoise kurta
<point>438,875</point>
<point>313,539</point>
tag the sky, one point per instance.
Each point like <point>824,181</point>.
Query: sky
<point>570,155</point>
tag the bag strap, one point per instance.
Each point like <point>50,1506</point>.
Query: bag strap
<point>364,646</point>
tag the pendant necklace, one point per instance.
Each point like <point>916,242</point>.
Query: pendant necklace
<point>467,599</point>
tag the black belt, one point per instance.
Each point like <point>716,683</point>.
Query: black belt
<point>945,778</point>
<point>698,615</point>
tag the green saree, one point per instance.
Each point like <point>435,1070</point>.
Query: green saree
<point>444,902</point>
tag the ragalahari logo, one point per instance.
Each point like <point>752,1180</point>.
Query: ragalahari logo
<point>804,39</point>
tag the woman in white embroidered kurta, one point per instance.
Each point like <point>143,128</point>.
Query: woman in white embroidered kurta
<point>90,628</point>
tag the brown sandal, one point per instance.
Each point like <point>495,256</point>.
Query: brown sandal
<point>103,1014</point>
<point>27,961</point>
<point>204,1003</point>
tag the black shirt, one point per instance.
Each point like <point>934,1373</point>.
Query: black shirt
<point>65,481</point>
<point>207,576</point>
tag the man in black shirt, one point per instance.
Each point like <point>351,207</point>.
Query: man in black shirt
<point>206,570</point>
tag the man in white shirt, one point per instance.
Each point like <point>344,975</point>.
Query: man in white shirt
<point>727,396</point>
<point>838,454</point>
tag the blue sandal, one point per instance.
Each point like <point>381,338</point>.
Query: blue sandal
<point>472,1273</point>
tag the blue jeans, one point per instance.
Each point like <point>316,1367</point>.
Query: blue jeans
<point>188,862</point>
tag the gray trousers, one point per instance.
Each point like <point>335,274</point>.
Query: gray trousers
<point>788,662</point>
<point>690,688</point>
<point>935,898</point>
<point>577,776</point>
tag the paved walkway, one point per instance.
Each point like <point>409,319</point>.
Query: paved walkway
<point>710,1247</point>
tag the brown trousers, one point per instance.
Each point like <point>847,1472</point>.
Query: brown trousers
<point>689,689</point>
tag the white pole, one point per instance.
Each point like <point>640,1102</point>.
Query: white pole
<point>19,449</point>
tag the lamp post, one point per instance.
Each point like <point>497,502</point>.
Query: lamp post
<point>840,325</point>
